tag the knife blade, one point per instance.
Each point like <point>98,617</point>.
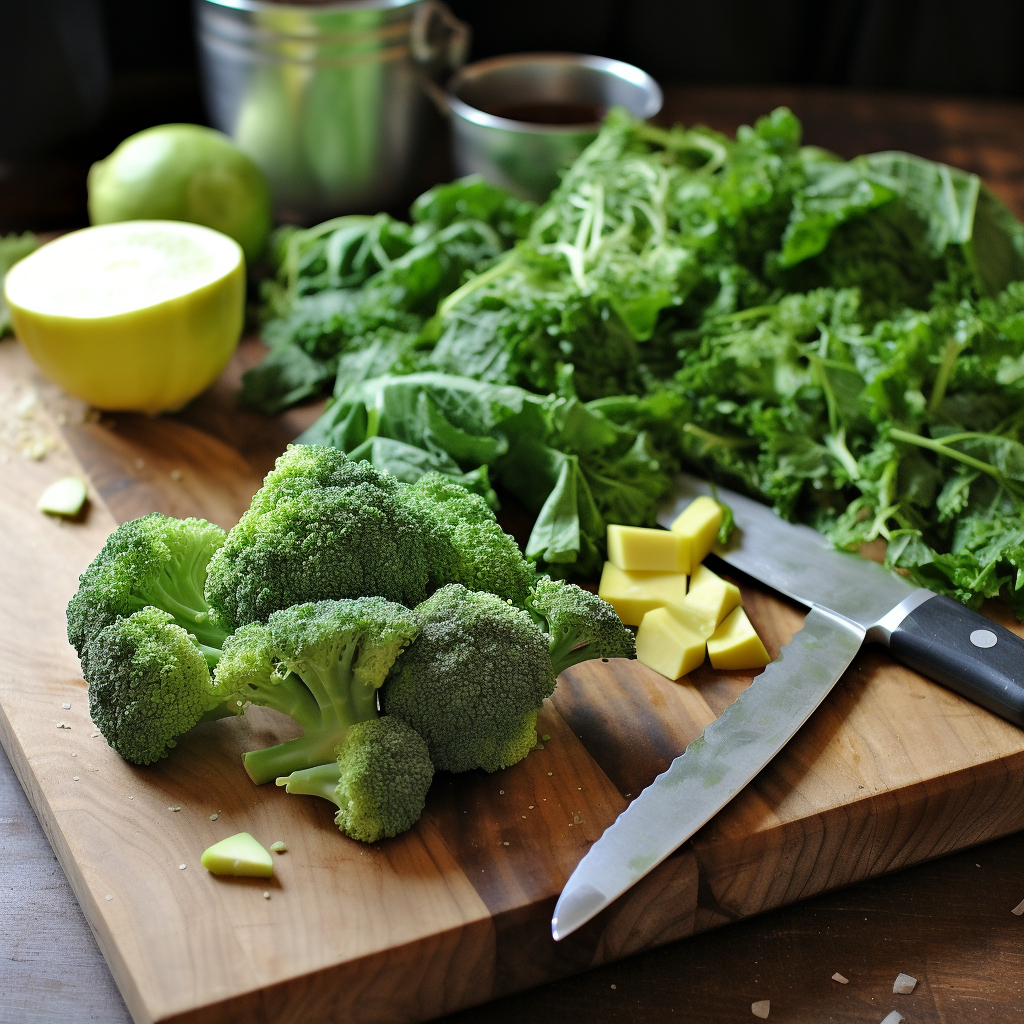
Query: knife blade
<point>850,599</point>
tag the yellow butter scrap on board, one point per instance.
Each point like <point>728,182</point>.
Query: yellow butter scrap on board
<point>715,596</point>
<point>238,855</point>
<point>698,525</point>
<point>637,547</point>
<point>633,593</point>
<point>669,643</point>
<point>735,644</point>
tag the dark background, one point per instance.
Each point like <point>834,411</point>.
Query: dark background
<point>78,76</point>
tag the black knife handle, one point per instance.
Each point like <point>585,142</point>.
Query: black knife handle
<point>963,650</point>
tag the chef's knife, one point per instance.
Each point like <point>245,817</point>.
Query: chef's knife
<point>851,599</point>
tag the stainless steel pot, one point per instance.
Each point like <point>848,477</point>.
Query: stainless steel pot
<point>326,98</point>
<point>521,156</point>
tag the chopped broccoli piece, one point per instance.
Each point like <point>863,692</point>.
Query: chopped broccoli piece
<point>321,664</point>
<point>379,780</point>
<point>321,528</point>
<point>156,561</point>
<point>467,544</point>
<point>148,684</point>
<point>580,624</point>
<point>472,681</point>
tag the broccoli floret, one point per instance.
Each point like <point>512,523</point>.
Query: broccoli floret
<point>321,664</point>
<point>156,561</point>
<point>472,681</point>
<point>321,528</point>
<point>467,545</point>
<point>580,625</point>
<point>325,528</point>
<point>148,683</point>
<point>379,780</point>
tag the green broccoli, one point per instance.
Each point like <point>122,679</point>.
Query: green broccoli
<point>467,544</point>
<point>156,561</point>
<point>379,780</point>
<point>472,681</point>
<point>321,528</point>
<point>580,624</point>
<point>331,654</point>
<point>148,683</point>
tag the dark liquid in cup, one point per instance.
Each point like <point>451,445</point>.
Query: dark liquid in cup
<point>550,113</point>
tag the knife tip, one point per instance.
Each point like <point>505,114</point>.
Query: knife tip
<point>575,907</point>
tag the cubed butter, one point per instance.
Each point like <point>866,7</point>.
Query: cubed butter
<point>698,525</point>
<point>633,593</point>
<point>238,855</point>
<point>735,645</point>
<point>636,547</point>
<point>715,596</point>
<point>666,643</point>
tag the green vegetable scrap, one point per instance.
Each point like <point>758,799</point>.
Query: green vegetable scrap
<point>64,497</point>
<point>239,855</point>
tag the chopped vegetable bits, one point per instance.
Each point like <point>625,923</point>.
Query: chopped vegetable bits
<point>636,547</point>
<point>698,525</point>
<point>735,645</point>
<point>238,855</point>
<point>634,593</point>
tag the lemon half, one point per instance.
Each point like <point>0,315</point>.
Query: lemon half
<point>140,315</point>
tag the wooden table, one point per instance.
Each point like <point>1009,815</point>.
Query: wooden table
<point>947,923</point>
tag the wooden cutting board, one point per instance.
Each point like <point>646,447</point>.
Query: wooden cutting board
<point>890,771</point>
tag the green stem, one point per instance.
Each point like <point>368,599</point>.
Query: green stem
<point>320,781</point>
<point>474,283</point>
<point>951,351</point>
<point>943,449</point>
<point>312,748</point>
<point>717,440</point>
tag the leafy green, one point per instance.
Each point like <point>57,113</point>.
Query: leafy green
<point>844,339</point>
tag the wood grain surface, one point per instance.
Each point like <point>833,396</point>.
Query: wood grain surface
<point>890,771</point>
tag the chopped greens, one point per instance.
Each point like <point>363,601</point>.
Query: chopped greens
<point>843,339</point>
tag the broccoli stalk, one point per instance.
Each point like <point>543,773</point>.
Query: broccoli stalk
<point>580,625</point>
<point>321,665</point>
<point>378,780</point>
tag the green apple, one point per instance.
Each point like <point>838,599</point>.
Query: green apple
<point>183,172</point>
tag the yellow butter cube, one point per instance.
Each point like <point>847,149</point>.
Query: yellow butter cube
<point>667,644</point>
<point>735,645</point>
<point>633,593</point>
<point>717,597</point>
<point>698,525</point>
<point>636,547</point>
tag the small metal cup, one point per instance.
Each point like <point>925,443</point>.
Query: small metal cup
<point>521,156</point>
<point>326,97</point>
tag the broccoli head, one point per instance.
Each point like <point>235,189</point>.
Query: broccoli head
<point>472,681</point>
<point>580,624</point>
<point>321,528</point>
<point>466,543</point>
<point>379,779</point>
<point>319,663</point>
<point>148,684</point>
<point>156,561</point>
